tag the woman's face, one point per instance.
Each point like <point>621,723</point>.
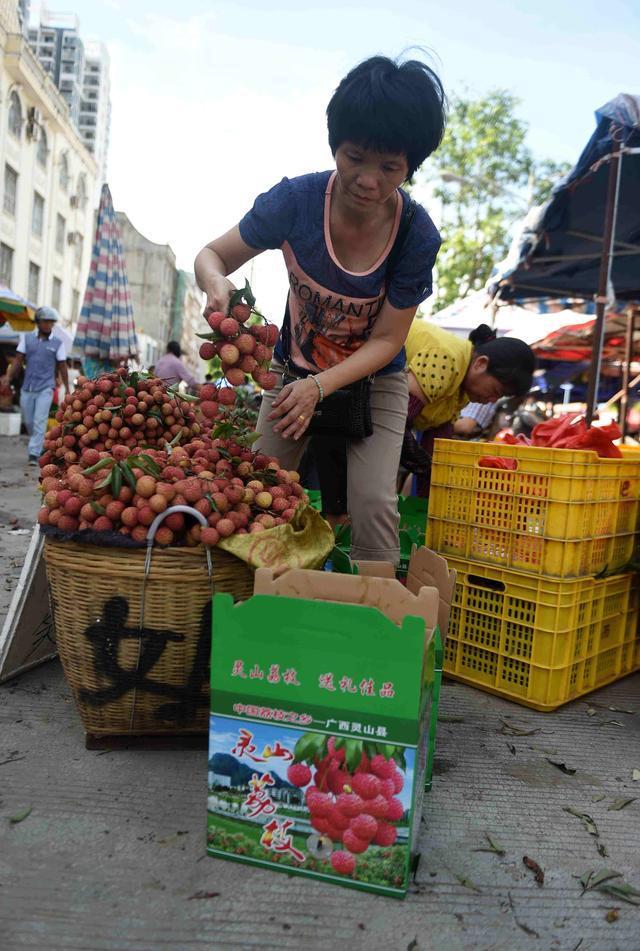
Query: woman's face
<point>479,385</point>
<point>368,179</point>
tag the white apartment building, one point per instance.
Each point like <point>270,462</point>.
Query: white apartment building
<point>47,180</point>
<point>94,121</point>
<point>80,70</point>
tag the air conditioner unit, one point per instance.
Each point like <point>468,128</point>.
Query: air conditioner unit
<point>33,124</point>
<point>74,201</point>
<point>74,237</point>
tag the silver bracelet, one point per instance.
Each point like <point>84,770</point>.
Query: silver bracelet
<point>320,388</point>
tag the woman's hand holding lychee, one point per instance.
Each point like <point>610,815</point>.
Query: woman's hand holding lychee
<point>219,291</point>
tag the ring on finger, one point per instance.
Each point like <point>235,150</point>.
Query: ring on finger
<point>302,417</point>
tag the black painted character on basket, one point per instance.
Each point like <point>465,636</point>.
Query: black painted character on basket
<point>105,636</point>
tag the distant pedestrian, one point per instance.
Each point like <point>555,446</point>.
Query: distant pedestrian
<point>44,358</point>
<point>171,370</point>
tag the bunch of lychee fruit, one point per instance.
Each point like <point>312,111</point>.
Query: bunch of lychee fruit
<point>237,490</point>
<point>119,409</point>
<point>356,808</point>
<point>118,478</point>
<point>244,349</point>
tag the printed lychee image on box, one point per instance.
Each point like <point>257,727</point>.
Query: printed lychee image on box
<point>322,803</point>
<point>323,707</point>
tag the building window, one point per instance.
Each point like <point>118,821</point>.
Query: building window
<point>82,191</point>
<point>41,151</point>
<point>56,293</point>
<point>79,245</point>
<point>10,190</point>
<point>6,265</point>
<point>37,215</point>
<point>63,179</point>
<point>61,226</point>
<point>75,305</point>
<point>34,283</point>
<point>15,115</point>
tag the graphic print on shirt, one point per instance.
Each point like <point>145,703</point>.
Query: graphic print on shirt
<point>326,328</point>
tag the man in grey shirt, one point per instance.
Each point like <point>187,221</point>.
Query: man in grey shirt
<point>44,357</point>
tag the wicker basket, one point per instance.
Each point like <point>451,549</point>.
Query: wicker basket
<point>135,652</point>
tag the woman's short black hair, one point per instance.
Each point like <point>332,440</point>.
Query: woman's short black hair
<point>511,361</point>
<point>388,106</point>
<point>174,347</point>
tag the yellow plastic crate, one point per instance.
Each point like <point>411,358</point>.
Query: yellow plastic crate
<point>537,517</point>
<point>539,641</point>
<point>552,475</point>
<point>561,558</point>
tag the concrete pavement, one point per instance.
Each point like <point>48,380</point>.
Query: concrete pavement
<point>112,855</point>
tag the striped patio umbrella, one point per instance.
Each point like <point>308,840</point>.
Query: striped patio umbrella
<point>16,311</point>
<point>106,333</point>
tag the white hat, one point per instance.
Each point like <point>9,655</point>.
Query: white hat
<point>47,313</point>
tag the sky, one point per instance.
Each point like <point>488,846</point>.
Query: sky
<point>214,102</point>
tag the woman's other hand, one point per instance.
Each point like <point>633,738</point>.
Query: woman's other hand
<point>294,408</point>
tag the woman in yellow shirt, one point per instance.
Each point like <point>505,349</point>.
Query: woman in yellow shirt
<point>447,372</point>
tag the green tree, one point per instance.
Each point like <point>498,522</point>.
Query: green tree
<point>547,174</point>
<point>486,178</point>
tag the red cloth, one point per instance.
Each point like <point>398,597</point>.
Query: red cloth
<point>497,462</point>
<point>565,432</point>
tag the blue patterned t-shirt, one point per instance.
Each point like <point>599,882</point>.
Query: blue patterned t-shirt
<point>332,310</point>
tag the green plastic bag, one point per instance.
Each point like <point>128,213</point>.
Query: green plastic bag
<point>304,542</point>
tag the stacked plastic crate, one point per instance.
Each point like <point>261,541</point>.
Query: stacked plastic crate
<point>545,608</point>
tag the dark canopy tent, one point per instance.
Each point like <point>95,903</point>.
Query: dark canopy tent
<point>585,241</point>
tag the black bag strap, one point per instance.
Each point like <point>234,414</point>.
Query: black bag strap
<point>409,213</point>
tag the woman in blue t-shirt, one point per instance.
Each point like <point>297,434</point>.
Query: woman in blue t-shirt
<point>348,312</point>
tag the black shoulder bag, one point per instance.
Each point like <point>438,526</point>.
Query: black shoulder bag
<point>346,412</point>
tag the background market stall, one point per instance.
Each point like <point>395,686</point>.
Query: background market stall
<point>585,241</point>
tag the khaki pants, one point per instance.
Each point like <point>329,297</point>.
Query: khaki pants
<point>372,465</point>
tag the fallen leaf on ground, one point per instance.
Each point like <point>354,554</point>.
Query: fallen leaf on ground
<point>591,711</point>
<point>203,895</point>
<point>598,798</point>
<point>592,879</point>
<point>612,915</point>
<point>521,924</point>
<point>535,868</point>
<point>21,816</point>
<point>584,818</point>
<point>492,847</point>
<point>602,851</point>
<point>511,749</point>
<point>636,774</point>
<point>561,766</point>
<point>606,706</point>
<point>467,883</point>
<point>618,804</point>
<point>412,945</point>
<point>511,729</point>
<point>621,891</point>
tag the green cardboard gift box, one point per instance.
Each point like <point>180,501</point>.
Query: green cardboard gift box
<point>323,699</point>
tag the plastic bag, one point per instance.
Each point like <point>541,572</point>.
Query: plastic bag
<point>304,542</point>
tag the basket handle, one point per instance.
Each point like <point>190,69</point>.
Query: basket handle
<point>157,522</point>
